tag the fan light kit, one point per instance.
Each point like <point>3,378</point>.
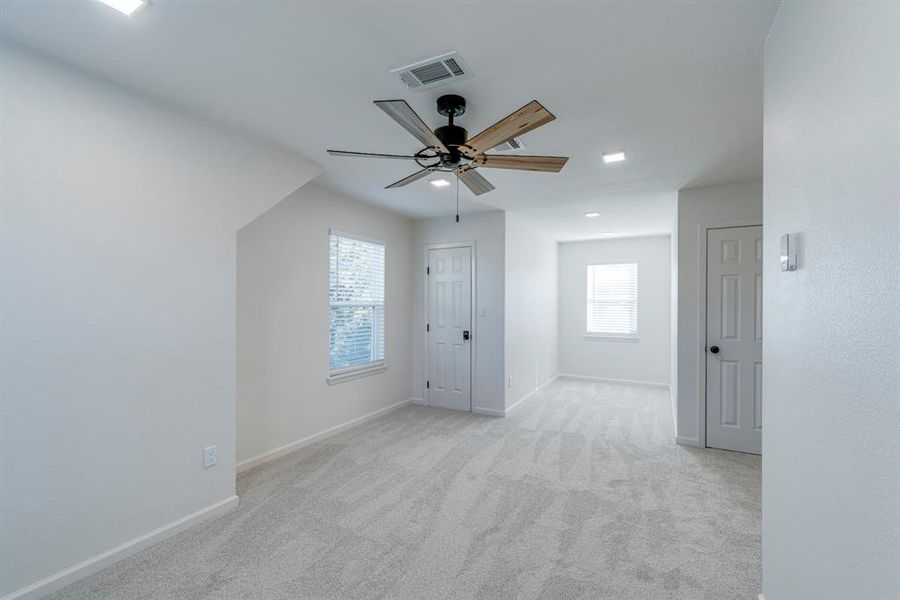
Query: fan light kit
<point>448,149</point>
<point>612,157</point>
<point>591,215</point>
<point>129,7</point>
<point>440,183</point>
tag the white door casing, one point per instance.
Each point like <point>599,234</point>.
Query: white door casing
<point>449,328</point>
<point>734,339</point>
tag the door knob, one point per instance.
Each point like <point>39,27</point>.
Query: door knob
<point>714,349</point>
<point>466,334</point>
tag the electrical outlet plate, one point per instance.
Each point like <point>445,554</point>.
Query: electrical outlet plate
<point>209,456</point>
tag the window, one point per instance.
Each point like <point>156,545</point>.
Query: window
<point>356,297</point>
<point>612,300</point>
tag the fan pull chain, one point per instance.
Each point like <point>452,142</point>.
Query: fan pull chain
<point>457,198</point>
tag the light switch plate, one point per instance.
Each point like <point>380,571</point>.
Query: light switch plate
<point>789,252</point>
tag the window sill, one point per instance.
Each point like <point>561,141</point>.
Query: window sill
<point>342,376</point>
<point>597,337</point>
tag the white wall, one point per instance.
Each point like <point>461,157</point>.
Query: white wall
<point>117,312</point>
<point>486,229</point>
<point>697,209</point>
<point>673,317</point>
<point>282,322</point>
<point>831,423</point>
<point>530,318</point>
<point>646,359</point>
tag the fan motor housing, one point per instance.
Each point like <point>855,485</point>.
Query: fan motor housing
<point>452,136</point>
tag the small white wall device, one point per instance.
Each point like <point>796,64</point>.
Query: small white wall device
<point>789,252</point>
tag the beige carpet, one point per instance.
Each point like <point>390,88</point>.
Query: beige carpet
<point>579,493</point>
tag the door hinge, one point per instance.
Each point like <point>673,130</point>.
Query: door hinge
<point>428,270</point>
<point>427,326</point>
<point>427,385</point>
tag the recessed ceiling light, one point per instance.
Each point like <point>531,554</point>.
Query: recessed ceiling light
<point>591,215</point>
<point>440,183</point>
<point>611,157</point>
<point>129,7</point>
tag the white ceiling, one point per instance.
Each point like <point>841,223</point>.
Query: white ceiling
<point>620,216</point>
<point>677,85</point>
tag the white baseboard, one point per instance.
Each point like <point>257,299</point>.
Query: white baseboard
<point>674,397</point>
<point>419,401</point>
<point>657,384</point>
<point>493,412</point>
<point>265,457</point>
<point>59,580</point>
<point>530,394</point>
<point>686,441</point>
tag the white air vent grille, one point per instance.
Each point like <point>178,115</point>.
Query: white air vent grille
<point>509,146</point>
<point>433,72</point>
<point>454,67</point>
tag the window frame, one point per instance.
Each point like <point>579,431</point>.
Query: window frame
<point>608,336</point>
<point>352,372</point>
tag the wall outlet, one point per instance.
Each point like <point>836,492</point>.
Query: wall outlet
<point>209,456</point>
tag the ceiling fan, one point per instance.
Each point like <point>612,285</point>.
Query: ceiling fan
<point>449,149</point>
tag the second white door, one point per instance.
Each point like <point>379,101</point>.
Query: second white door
<point>449,328</point>
<point>734,339</point>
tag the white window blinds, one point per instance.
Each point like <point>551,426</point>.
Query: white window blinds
<point>356,290</point>
<point>612,300</point>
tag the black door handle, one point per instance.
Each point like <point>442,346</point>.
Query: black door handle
<point>466,334</point>
<point>714,349</point>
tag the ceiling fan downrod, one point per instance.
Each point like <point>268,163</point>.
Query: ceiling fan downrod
<point>451,135</point>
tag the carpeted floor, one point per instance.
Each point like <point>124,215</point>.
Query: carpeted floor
<point>579,493</point>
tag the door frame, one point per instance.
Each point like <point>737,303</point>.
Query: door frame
<point>473,337</point>
<point>703,238</point>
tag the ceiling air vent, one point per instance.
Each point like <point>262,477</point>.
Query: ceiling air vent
<point>509,146</point>
<point>433,72</point>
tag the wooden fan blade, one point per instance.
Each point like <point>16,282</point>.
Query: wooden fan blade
<point>531,116</point>
<point>370,155</point>
<point>409,179</point>
<point>549,164</point>
<point>403,113</point>
<point>473,180</point>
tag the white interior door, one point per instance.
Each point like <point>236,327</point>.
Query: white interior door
<point>449,328</point>
<point>734,339</point>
